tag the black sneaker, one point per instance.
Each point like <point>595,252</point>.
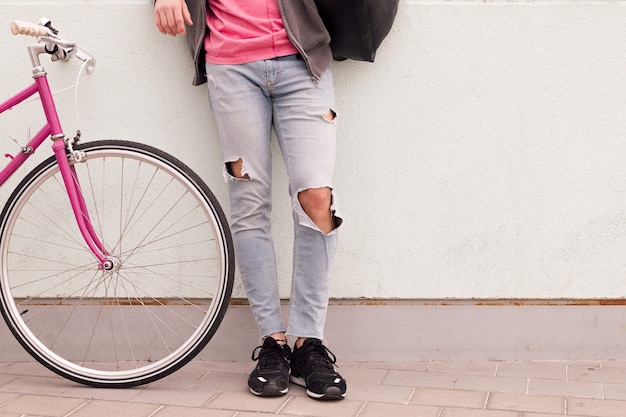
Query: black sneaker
<point>270,377</point>
<point>313,368</point>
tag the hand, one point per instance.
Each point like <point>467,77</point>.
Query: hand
<point>171,16</point>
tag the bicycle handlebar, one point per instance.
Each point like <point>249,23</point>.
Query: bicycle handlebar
<point>58,48</point>
<point>26,28</point>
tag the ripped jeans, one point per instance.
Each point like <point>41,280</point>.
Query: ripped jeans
<point>247,101</point>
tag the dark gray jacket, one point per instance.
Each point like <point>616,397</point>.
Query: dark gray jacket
<point>302,22</point>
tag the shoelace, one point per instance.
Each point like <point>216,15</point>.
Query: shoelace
<point>321,356</point>
<point>268,356</point>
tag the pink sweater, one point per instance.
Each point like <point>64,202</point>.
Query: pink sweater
<point>242,31</point>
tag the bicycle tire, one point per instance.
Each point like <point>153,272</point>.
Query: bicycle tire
<point>158,308</point>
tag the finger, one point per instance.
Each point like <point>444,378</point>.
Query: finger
<point>180,25</point>
<point>182,16</point>
<point>187,15</point>
<point>171,25</point>
<point>157,20</point>
<point>162,22</point>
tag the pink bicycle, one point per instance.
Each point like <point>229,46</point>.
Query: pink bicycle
<point>126,280</point>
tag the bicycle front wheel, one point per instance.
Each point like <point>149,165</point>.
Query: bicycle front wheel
<point>169,289</point>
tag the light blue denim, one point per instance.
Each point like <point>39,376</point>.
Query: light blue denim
<point>248,101</point>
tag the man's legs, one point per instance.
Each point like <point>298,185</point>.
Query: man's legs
<point>246,100</point>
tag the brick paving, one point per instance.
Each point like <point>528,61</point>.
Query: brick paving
<point>389,389</point>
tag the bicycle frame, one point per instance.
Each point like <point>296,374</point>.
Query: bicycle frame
<point>53,130</point>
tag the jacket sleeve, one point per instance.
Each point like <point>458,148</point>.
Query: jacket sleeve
<point>195,38</point>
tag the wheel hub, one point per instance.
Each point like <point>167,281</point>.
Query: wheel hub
<point>112,263</point>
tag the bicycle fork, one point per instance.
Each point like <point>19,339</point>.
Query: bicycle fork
<point>81,214</point>
<point>70,179</point>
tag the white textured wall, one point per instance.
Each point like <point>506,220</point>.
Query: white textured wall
<point>483,155</point>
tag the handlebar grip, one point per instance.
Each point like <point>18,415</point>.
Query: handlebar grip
<point>26,28</point>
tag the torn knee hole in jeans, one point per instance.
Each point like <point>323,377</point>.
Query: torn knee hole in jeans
<point>236,169</point>
<point>330,116</point>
